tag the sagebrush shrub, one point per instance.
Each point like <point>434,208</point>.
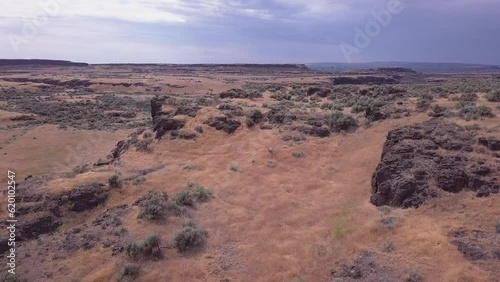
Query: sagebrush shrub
<point>493,96</point>
<point>153,206</point>
<point>199,193</point>
<point>254,117</point>
<point>298,154</point>
<point>131,271</point>
<point>183,198</point>
<point>338,121</point>
<point>475,112</point>
<point>438,111</point>
<point>79,169</point>
<point>190,237</point>
<point>114,182</point>
<point>145,247</point>
<point>468,97</point>
<point>423,104</point>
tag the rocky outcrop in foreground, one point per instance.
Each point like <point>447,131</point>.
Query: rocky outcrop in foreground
<point>430,159</point>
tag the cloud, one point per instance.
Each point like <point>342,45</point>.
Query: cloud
<point>247,30</point>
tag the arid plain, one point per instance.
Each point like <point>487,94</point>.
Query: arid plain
<point>282,173</point>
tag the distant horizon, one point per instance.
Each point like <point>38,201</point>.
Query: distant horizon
<point>252,63</point>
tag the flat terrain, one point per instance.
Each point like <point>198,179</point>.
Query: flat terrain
<point>287,153</point>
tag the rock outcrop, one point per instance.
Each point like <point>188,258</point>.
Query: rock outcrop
<point>224,123</point>
<point>427,160</point>
<point>87,196</point>
<point>491,143</point>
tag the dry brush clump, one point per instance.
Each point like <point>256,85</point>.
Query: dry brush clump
<point>153,205</point>
<point>338,121</point>
<point>190,237</point>
<point>114,182</point>
<point>473,112</point>
<point>129,271</point>
<point>148,247</point>
<point>493,96</point>
<point>254,117</point>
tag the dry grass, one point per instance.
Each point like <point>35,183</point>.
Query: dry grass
<point>289,222</point>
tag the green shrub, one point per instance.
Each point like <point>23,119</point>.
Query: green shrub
<point>79,169</point>
<point>150,243</point>
<point>281,96</point>
<point>175,209</point>
<point>475,112</point>
<point>470,97</point>
<point>338,121</point>
<point>423,104</point>
<point>493,96</point>
<point>331,106</point>
<point>254,117</point>
<point>414,276</point>
<point>130,271</point>
<point>298,154</point>
<point>234,168</point>
<point>114,182</point>
<point>132,249</point>
<point>144,247</point>
<point>190,237</point>
<point>199,193</point>
<point>463,104</point>
<point>153,206</point>
<point>199,129</point>
<point>438,111</point>
<point>183,198</point>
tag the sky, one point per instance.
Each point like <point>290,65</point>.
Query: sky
<point>251,31</point>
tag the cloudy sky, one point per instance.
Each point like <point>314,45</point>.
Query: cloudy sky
<point>251,31</point>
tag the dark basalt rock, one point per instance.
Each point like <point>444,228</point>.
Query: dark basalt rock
<point>156,105</point>
<point>41,224</point>
<point>120,148</point>
<point>224,123</point>
<point>87,196</point>
<point>491,143</point>
<point>187,110</point>
<point>315,131</point>
<point>321,92</point>
<point>378,80</point>
<point>231,110</point>
<point>166,124</point>
<point>122,114</point>
<point>426,160</point>
<point>280,116</point>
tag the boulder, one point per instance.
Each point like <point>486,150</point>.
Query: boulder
<point>87,196</point>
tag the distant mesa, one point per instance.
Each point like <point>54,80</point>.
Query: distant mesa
<point>396,69</point>
<point>17,62</point>
<point>408,67</point>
